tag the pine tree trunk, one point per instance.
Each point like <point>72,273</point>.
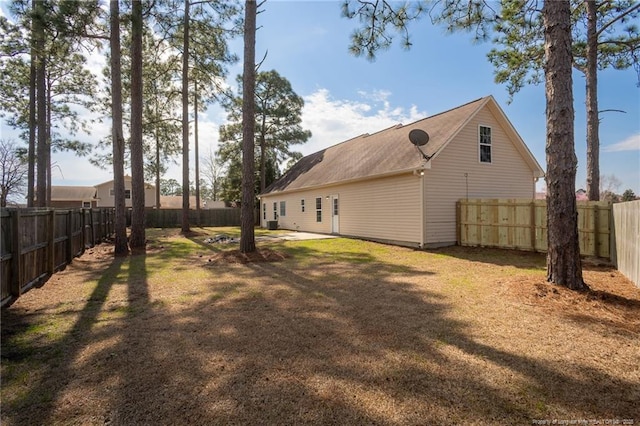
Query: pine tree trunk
<point>263,161</point>
<point>563,251</point>
<point>121,247</point>
<point>247,220</point>
<point>196,150</point>
<point>41,107</point>
<point>157,170</point>
<point>185,121</point>
<point>31,171</point>
<point>138,239</point>
<point>48,138</point>
<point>155,134</point>
<point>593,123</point>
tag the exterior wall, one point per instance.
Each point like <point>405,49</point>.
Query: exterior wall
<point>105,199</point>
<point>384,209</point>
<point>458,173</point>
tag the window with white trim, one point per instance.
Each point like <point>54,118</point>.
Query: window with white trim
<point>283,208</point>
<point>484,141</point>
<point>319,209</point>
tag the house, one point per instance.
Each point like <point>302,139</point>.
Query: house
<point>100,195</point>
<point>104,194</point>
<point>65,197</point>
<point>380,186</point>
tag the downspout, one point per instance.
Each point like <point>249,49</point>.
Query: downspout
<point>422,211</point>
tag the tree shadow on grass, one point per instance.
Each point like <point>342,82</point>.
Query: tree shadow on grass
<point>502,257</point>
<point>52,359</point>
<point>335,342</point>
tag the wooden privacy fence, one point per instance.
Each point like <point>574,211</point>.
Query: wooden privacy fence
<point>522,224</point>
<point>172,218</point>
<point>34,243</point>
<point>626,250</point>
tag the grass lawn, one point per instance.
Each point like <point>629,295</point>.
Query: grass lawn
<point>333,331</point>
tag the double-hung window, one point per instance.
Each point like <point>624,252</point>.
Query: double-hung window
<point>283,208</point>
<point>484,140</point>
<point>319,209</point>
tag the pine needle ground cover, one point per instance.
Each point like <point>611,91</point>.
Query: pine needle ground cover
<point>334,331</point>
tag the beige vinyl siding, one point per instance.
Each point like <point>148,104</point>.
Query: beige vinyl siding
<point>386,209</point>
<point>295,219</point>
<point>507,176</point>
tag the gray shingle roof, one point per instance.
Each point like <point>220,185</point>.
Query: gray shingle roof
<point>381,153</point>
<point>72,193</point>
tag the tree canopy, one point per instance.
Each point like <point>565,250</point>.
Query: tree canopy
<point>278,118</point>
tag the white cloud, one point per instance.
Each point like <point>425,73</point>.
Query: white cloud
<point>632,143</point>
<point>332,121</point>
<point>376,95</point>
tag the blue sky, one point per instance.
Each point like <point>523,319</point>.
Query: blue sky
<point>307,43</point>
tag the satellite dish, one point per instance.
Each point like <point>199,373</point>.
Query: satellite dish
<point>418,137</point>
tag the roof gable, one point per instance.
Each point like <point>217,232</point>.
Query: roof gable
<point>388,151</point>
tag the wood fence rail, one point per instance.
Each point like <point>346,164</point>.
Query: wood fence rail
<point>36,242</point>
<point>522,224</point>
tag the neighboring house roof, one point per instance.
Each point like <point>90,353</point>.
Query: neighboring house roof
<point>389,151</point>
<point>174,201</point>
<point>72,193</point>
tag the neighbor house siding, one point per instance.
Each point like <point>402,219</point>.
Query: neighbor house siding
<point>385,209</point>
<point>507,176</point>
<point>106,199</point>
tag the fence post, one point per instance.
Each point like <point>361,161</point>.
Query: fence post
<point>16,255</point>
<point>613,249</point>
<point>69,236</point>
<point>533,225</point>
<point>93,231</point>
<point>51,232</point>
<point>83,228</point>
<point>596,230</point>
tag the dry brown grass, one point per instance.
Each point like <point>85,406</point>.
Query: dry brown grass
<point>319,332</point>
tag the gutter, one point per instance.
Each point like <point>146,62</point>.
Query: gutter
<point>343,182</point>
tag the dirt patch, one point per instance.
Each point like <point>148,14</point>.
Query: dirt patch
<point>612,300</point>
